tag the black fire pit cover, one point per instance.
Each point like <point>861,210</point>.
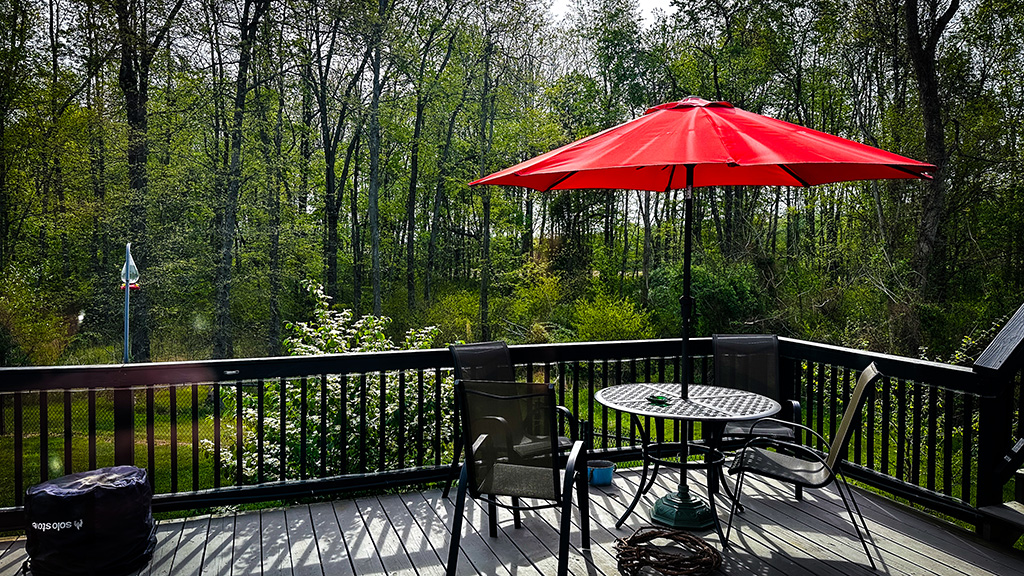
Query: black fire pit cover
<point>90,523</point>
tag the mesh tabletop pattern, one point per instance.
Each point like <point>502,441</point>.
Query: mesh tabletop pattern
<point>705,402</point>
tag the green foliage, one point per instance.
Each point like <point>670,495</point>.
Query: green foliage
<point>31,333</point>
<point>728,298</point>
<point>456,316</point>
<point>609,318</point>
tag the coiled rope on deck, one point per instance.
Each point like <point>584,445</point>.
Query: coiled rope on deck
<point>690,555</point>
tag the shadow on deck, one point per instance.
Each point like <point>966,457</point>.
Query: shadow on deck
<point>408,534</point>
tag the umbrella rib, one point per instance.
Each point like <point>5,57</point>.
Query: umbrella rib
<point>793,174</point>
<point>560,180</point>
<point>909,171</point>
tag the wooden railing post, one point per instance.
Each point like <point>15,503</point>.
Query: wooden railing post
<point>124,427</point>
<point>995,436</point>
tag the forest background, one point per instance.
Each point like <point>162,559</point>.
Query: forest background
<point>248,147</point>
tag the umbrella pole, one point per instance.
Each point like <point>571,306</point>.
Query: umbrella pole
<point>686,301</point>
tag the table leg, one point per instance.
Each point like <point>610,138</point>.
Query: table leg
<point>645,484</point>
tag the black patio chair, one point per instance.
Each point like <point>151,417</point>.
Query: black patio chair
<point>803,466</point>
<point>509,432</point>
<point>751,362</point>
<point>491,361</point>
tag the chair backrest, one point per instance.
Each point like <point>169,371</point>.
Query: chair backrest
<point>507,430</point>
<point>851,415</point>
<point>483,361</point>
<point>748,362</point>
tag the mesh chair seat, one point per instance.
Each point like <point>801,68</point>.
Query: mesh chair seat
<point>784,467</point>
<point>742,429</point>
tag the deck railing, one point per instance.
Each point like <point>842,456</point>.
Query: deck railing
<point>231,431</point>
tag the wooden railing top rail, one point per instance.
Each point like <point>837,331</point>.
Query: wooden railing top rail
<point>947,376</point>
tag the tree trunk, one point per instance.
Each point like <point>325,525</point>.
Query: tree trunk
<point>922,49</point>
<point>374,144</point>
<point>223,339</point>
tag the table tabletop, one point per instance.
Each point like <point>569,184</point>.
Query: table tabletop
<point>705,403</point>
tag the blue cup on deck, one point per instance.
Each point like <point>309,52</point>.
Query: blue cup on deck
<point>600,472</point>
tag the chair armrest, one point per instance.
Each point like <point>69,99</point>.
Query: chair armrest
<point>578,455</point>
<point>574,423</point>
<point>500,425</point>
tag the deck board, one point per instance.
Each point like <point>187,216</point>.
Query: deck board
<point>408,534</point>
<point>219,554</point>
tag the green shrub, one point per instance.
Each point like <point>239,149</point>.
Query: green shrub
<point>609,318</point>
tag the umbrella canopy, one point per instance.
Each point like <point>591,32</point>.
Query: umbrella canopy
<point>726,146</point>
<point>693,143</point>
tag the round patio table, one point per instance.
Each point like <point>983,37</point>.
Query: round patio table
<point>713,406</point>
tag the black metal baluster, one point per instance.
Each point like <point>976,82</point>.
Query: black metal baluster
<point>808,388</point>
<point>151,432</point>
<point>68,465</point>
<point>948,403</point>
<point>44,437</point>
<point>820,388</point>
<point>343,422</point>
<point>401,419</point>
<point>833,408</point>
<point>901,429</point>
<point>195,437</point>
<point>261,474</point>
<point>173,402</point>
<point>362,424</point>
<point>382,430</point>
<point>420,448</point>
<point>282,473</point>
<point>324,431</point>
<point>591,390</point>
<point>933,426</point>
<point>303,425</point>
<point>19,452</point>
<point>967,448</point>
<point>437,418</point>
<point>915,434</point>
<point>604,409</point>
<point>216,434</point>
<point>92,429</point>
<point>886,425</point>
<point>239,448</point>
<point>871,402</point>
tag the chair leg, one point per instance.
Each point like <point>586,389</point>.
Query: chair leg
<point>563,536</point>
<point>517,519</point>
<point>735,504</point>
<point>453,470</point>
<point>492,516</point>
<point>583,503</point>
<point>460,505</point>
<point>853,520</point>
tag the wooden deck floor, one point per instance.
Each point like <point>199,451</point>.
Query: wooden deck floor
<point>408,534</point>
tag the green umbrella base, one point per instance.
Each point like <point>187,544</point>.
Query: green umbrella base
<point>683,510</point>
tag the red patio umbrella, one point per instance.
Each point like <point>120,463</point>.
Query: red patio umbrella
<point>693,143</point>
